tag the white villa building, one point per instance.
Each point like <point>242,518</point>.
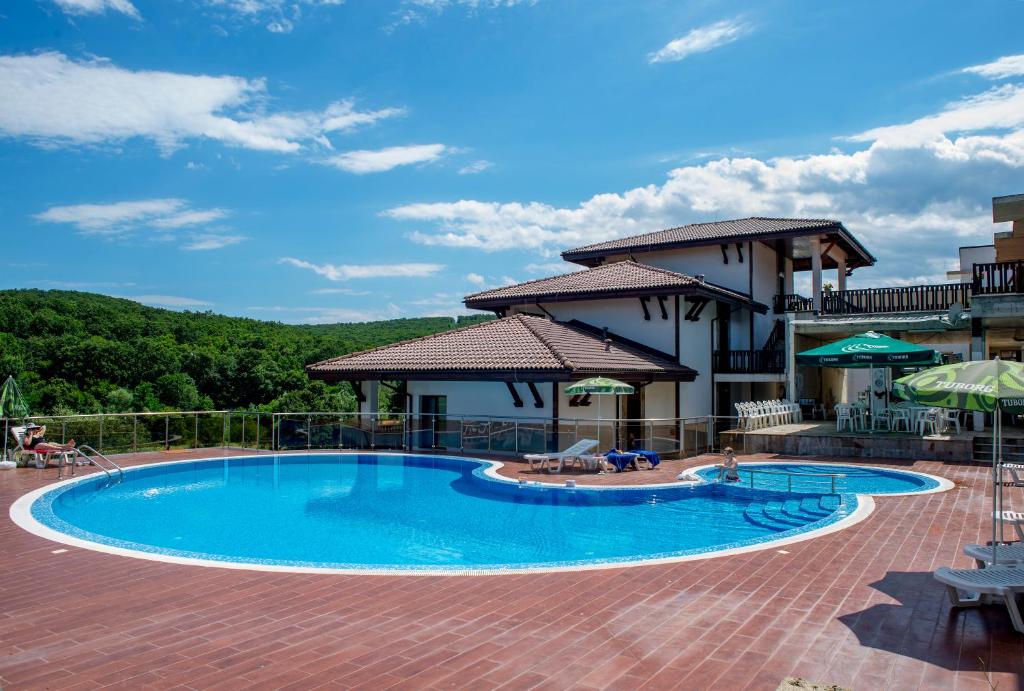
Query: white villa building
<point>697,318</point>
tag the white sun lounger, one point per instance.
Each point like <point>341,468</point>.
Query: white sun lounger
<point>1012,554</point>
<point>577,451</point>
<point>967,588</point>
<point>1014,470</point>
<point>1015,519</point>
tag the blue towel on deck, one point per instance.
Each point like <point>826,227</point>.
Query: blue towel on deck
<point>652,456</point>
<point>621,460</point>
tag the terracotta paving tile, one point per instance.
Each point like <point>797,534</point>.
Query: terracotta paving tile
<point>857,607</point>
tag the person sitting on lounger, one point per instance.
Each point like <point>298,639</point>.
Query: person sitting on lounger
<point>35,441</point>
<point>728,470</point>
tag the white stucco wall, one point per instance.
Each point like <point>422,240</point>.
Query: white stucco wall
<point>695,352</point>
<point>482,398</point>
<point>623,317</point>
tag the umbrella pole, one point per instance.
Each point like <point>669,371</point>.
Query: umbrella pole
<point>7,421</point>
<point>996,517</point>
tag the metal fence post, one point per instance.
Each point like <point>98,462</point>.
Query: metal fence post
<point>258,416</point>
<point>135,433</point>
<point>243,430</point>
<point>101,434</point>
<point>517,435</point>
<point>309,432</point>
<point>167,432</point>
<point>196,443</point>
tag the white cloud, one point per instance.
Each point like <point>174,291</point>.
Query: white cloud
<point>79,7</point>
<point>278,16</point>
<point>550,267</point>
<point>338,291</point>
<point>122,219</point>
<point>52,100</point>
<point>175,301</point>
<point>380,160</point>
<point>918,190</point>
<point>476,279</point>
<point>416,11</point>
<point>330,315</point>
<point>701,40</point>
<point>998,108</point>
<point>114,218</point>
<point>345,272</point>
<point>1006,66</point>
<point>189,218</point>
<point>474,167</point>
<point>211,241</point>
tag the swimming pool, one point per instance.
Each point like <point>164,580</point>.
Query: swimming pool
<point>411,514</point>
<point>816,477</point>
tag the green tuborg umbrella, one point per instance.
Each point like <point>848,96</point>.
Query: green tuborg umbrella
<point>987,386</point>
<point>12,404</point>
<point>601,386</point>
<point>868,349</point>
<point>982,385</point>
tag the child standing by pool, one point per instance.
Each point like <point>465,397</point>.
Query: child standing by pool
<point>727,470</point>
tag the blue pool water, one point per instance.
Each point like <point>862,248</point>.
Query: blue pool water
<point>856,480</point>
<point>413,513</point>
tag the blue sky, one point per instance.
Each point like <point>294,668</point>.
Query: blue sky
<point>335,161</point>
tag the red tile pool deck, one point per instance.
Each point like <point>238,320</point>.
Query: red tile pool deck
<point>857,608</point>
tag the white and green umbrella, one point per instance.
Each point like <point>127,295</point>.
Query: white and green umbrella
<point>602,386</point>
<point>12,405</point>
<point>599,385</point>
<point>987,386</point>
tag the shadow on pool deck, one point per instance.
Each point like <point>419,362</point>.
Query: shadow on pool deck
<point>926,628</point>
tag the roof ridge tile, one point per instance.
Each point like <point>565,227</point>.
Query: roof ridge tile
<point>566,362</point>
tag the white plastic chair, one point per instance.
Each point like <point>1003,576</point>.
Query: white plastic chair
<point>950,417</point>
<point>899,417</point>
<point>928,421</point>
<point>844,417</point>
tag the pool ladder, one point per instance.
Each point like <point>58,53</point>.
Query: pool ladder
<point>98,460</point>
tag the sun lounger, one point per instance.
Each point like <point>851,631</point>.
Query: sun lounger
<point>1016,519</point>
<point>651,458</point>
<point>544,461</point>
<point>967,588</point>
<point>41,458</point>
<point>1014,471</point>
<point>1007,554</point>
<point>621,461</point>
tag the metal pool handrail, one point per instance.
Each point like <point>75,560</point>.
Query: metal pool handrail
<point>790,476</point>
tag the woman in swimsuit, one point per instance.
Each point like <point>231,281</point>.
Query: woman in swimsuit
<point>34,441</point>
<point>727,471</point>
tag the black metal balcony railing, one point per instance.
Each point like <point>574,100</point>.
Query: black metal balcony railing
<point>932,298</point>
<point>749,361</point>
<point>929,298</point>
<point>998,278</point>
<point>791,302</point>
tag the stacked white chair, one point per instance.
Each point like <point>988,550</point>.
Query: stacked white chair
<point>760,414</point>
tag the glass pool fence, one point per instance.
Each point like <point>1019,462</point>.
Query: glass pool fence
<point>118,433</point>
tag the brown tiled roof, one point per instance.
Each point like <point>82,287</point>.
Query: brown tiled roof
<point>517,348</point>
<point>755,227</point>
<point>625,278</point>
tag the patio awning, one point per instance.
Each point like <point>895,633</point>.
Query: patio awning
<point>869,349</point>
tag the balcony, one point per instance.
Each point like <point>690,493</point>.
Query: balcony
<point>791,302</point>
<point>998,278</point>
<point>928,298</point>
<point>749,362</point>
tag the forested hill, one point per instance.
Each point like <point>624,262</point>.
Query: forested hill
<point>75,352</point>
